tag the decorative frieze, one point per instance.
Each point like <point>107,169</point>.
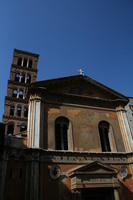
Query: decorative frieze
<point>65,157</point>
<point>89,182</point>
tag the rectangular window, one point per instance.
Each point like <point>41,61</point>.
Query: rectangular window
<point>25,112</point>
<point>25,62</point>
<point>12,111</point>
<point>131,107</point>
<point>19,63</point>
<point>19,111</point>
<point>30,64</point>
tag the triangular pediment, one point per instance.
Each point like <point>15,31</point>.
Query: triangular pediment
<point>81,86</point>
<point>94,168</point>
<point>95,174</point>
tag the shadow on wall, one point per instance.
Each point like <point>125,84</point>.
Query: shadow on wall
<point>59,187</point>
<point>2,133</point>
<point>26,176</point>
<point>15,180</point>
<point>125,192</point>
<point>15,141</point>
<point>32,179</point>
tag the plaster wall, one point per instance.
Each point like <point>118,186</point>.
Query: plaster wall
<point>84,127</point>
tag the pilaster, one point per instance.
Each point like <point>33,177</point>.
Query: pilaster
<point>35,181</point>
<point>27,181</point>
<point>116,194</point>
<point>34,122</point>
<point>123,127</point>
<point>3,167</point>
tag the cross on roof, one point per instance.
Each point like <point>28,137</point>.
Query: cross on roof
<point>81,72</point>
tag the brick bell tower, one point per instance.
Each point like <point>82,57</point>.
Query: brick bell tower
<point>23,72</point>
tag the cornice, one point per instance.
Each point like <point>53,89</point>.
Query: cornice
<point>69,157</point>
<point>14,118</point>
<point>81,106</point>
<point>18,83</point>
<point>24,68</point>
<point>18,100</point>
<point>26,52</point>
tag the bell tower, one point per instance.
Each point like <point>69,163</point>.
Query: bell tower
<point>23,72</point>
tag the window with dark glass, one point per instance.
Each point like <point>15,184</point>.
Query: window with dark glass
<point>12,108</point>
<point>25,62</point>
<point>14,94</point>
<point>10,129</point>
<point>104,136</point>
<point>19,62</point>
<point>25,112</point>
<point>30,63</point>
<point>23,127</point>
<point>21,94</point>
<point>61,133</point>
<point>19,111</point>
<point>17,77</point>
<point>131,107</point>
<point>28,78</point>
<point>22,78</point>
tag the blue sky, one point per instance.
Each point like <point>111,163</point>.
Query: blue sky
<point>95,35</point>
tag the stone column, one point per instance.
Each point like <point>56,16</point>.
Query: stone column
<point>34,122</point>
<point>123,128</point>
<point>129,134</point>
<point>116,194</point>
<point>128,130</point>
<point>126,134</point>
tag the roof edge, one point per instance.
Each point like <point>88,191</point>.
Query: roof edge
<point>26,52</point>
<point>87,78</point>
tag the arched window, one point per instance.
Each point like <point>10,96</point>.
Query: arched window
<point>30,64</point>
<point>104,136</point>
<point>61,133</point>
<point>23,128</point>
<point>19,63</point>
<point>17,77</point>
<point>12,108</point>
<point>21,94</point>
<point>14,93</point>
<point>25,112</point>
<point>25,62</point>
<point>10,129</point>
<point>19,108</point>
<point>22,78</point>
<point>28,78</point>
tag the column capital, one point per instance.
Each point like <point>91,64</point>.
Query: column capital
<point>35,98</point>
<point>120,108</point>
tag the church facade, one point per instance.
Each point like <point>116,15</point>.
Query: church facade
<point>77,146</point>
